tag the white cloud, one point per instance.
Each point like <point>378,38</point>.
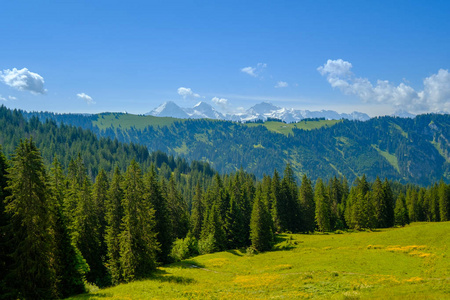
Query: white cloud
<point>23,80</point>
<point>12,98</point>
<point>86,98</point>
<point>187,92</point>
<point>222,102</point>
<point>281,84</point>
<point>435,96</point>
<point>2,98</point>
<point>254,71</point>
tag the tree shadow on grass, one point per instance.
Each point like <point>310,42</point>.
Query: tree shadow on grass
<point>283,242</point>
<point>234,252</point>
<point>163,276</point>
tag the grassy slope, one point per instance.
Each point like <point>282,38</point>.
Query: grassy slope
<point>286,129</point>
<point>126,121</point>
<point>411,262</point>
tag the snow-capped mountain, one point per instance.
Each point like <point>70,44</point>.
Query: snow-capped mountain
<point>169,109</point>
<point>204,110</point>
<point>201,110</point>
<point>261,111</point>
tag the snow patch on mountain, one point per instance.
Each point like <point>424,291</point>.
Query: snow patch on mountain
<point>261,111</point>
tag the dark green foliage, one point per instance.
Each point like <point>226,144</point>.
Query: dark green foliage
<point>5,248</point>
<point>307,206</point>
<point>323,207</point>
<point>69,264</point>
<point>163,219</point>
<point>444,201</point>
<point>29,207</point>
<point>113,218</point>
<point>178,209</point>
<point>138,244</point>
<point>260,224</point>
<point>401,211</point>
<point>198,211</point>
<point>214,229</point>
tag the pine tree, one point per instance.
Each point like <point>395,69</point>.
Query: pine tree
<point>163,222</point>
<point>389,202</point>
<point>178,209</point>
<point>291,206</point>
<point>113,218</point>
<point>235,223</point>
<point>323,209</point>
<point>69,264</point>
<point>260,224</point>
<point>5,249</point>
<point>444,201</point>
<point>277,207</point>
<point>28,206</point>
<point>401,211</point>
<point>138,244</point>
<point>198,211</point>
<point>307,205</point>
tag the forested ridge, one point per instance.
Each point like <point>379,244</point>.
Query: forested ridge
<point>70,217</point>
<point>408,150</point>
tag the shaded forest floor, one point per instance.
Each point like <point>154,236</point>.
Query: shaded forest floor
<point>411,262</point>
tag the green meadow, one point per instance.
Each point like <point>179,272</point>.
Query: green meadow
<point>126,121</point>
<point>412,262</point>
<point>286,128</point>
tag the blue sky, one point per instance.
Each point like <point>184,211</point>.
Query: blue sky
<point>93,56</point>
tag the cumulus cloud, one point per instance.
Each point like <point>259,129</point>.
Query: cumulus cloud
<point>2,98</point>
<point>435,96</point>
<point>86,98</point>
<point>221,102</point>
<point>281,84</point>
<point>23,80</point>
<point>187,92</point>
<point>12,98</point>
<point>254,71</point>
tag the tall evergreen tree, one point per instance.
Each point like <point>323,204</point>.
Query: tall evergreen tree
<point>277,206</point>
<point>198,211</point>
<point>68,263</point>
<point>444,201</point>
<point>138,244</point>
<point>5,249</point>
<point>323,209</point>
<point>401,211</point>
<point>260,224</point>
<point>28,206</point>
<point>290,207</point>
<point>307,205</point>
<point>389,220</point>
<point>179,214</point>
<point>113,218</point>
<point>163,223</point>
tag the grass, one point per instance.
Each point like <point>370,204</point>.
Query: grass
<point>411,262</point>
<point>126,121</point>
<point>286,129</point>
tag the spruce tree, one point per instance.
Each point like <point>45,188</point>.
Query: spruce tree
<point>198,211</point>
<point>260,224</point>
<point>401,211</point>
<point>113,218</point>
<point>163,222</point>
<point>138,244</point>
<point>307,205</point>
<point>389,202</point>
<point>323,209</point>
<point>69,264</point>
<point>290,208</point>
<point>28,206</point>
<point>178,209</point>
<point>5,249</point>
<point>444,201</point>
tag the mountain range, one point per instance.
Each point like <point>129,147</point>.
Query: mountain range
<point>262,111</point>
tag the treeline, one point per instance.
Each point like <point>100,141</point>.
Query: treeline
<point>60,229</point>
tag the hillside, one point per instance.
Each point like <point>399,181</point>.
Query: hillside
<point>398,263</point>
<point>409,150</point>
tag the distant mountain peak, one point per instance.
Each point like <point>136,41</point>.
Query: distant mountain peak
<point>260,111</point>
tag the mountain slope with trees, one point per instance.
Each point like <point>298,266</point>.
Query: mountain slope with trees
<point>410,150</point>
